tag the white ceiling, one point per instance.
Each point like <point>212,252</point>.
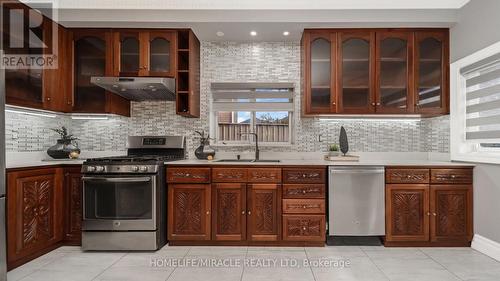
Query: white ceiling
<point>236,18</point>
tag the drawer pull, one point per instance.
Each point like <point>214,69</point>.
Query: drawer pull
<point>434,214</point>
<point>453,176</point>
<point>242,212</point>
<point>249,213</point>
<point>428,213</point>
<point>208,213</point>
<point>305,207</point>
<point>304,228</point>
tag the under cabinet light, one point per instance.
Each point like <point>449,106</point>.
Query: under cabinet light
<point>89,117</point>
<point>31,112</point>
<point>364,119</point>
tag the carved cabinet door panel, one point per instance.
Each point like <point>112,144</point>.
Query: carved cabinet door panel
<point>407,212</point>
<point>189,211</point>
<point>73,205</point>
<point>264,212</point>
<point>451,213</point>
<point>229,214</point>
<point>34,214</point>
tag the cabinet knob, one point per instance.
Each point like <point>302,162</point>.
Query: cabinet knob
<point>249,213</point>
<point>208,213</point>
<point>453,176</point>
<point>378,103</point>
<point>428,213</point>
<point>434,214</point>
<point>334,103</point>
<point>48,99</point>
<point>242,212</point>
<point>304,228</point>
<point>373,103</point>
<point>305,207</point>
<point>304,192</point>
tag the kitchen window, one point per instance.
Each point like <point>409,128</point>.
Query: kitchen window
<point>475,107</point>
<point>263,108</point>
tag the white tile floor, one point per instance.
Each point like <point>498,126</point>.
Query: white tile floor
<point>360,263</point>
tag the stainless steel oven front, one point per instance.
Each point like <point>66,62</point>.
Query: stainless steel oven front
<point>120,203</point>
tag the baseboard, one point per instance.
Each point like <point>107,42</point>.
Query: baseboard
<point>486,246</point>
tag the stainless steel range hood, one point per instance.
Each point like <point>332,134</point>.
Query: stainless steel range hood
<point>138,88</point>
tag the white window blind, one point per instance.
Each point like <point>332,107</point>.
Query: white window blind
<point>482,82</point>
<point>252,96</point>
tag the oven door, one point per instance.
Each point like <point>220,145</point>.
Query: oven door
<point>125,203</point>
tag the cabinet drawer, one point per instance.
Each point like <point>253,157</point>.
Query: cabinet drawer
<point>229,174</point>
<point>188,175</point>
<point>304,191</point>
<point>267,175</point>
<point>451,176</point>
<point>407,176</point>
<point>304,206</point>
<point>298,175</point>
<point>304,227</point>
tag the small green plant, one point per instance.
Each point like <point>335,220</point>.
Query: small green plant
<point>334,147</point>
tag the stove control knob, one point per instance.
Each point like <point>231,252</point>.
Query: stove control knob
<point>135,169</point>
<point>144,169</point>
<point>99,169</point>
<point>90,169</point>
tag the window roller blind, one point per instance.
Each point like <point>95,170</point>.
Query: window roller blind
<point>252,96</point>
<point>482,80</point>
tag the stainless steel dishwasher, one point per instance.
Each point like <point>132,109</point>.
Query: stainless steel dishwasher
<point>356,204</point>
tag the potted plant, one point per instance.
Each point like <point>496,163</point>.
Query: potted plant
<point>204,151</point>
<point>65,146</point>
<point>334,150</point>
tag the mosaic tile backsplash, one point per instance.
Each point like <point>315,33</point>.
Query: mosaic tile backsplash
<point>232,62</point>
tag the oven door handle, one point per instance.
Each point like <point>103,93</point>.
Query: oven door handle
<point>141,179</point>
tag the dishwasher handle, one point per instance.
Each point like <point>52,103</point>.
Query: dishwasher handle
<point>352,170</point>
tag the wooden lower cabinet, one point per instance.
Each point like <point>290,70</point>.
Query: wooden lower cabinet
<point>431,214</point>
<point>451,213</point>
<point>229,211</point>
<point>189,211</point>
<point>73,208</point>
<point>304,228</point>
<point>407,207</point>
<point>264,212</point>
<point>34,213</point>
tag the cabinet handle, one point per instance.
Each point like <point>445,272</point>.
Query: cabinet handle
<point>304,192</point>
<point>334,103</point>
<point>428,213</point>
<point>304,228</point>
<point>304,206</point>
<point>208,213</point>
<point>188,175</point>
<point>48,99</point>
<point>378,103</point>
<point>434,214</point>
<point>453,176</point>
<point>249,213</point>
<point>374,104</point>
<point>242,212</point>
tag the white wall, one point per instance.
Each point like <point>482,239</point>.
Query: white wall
<point>479,27</point>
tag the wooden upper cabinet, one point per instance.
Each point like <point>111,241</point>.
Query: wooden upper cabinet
<point>432,72</point>
<point>159,57</point>
<point>144,53</point>
<point>375,71</point>
<point>356,72</point>
<point>91,52</point>
<point>319,49</point>
<point>127,53</point>
<point>92,55</point>
<point>394,74</point>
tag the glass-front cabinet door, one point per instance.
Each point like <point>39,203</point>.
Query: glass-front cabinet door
<point>393,86</point>
<point>355,66</point>
<point>90,49</point>
<point>159,58</point>
<point>127,51</point>
<point>431,72</point>
<point>23,87</point>
<point>320,69</point>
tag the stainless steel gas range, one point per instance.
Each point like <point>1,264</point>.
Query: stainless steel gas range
<point>125,197</point>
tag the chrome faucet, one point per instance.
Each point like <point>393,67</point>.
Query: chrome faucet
<point>256,144</point>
